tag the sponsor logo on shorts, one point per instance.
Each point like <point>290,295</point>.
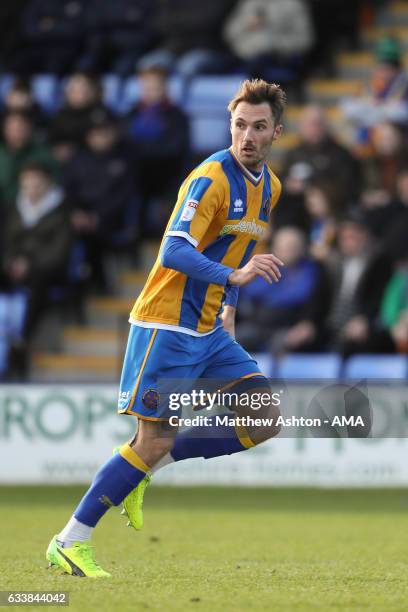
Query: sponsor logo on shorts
<point>123,400</point>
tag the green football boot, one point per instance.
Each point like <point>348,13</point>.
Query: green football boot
<point>77,560</point>
<point>133,503</point>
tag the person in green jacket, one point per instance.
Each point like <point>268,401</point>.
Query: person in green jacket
<point>17,149</point>
<point>394,307</point>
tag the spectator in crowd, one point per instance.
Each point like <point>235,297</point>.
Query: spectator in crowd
<point>118,34</point>
<point>159,131</point>
<point>385,193</point>
<point>20,98</point>
<point>191,40</point>
<point>381,167</point>
<point>393,220</point>
<point>268,33</point>
<point>292,207</point>
<point>276,317</point>
<point>323,157</point>
<point>394,307</point>
<point>324,207</point>
<point>19,147</point>
<point>37,242</point>
<point>101,185</point>
<point>387,96</point>
<point>51,36</point>
<point>359,271</point>
<point>82,97</point>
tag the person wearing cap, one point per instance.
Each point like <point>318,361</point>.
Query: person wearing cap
<point>387,95</point>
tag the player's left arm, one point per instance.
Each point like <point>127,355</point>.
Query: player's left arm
<point>228,319</point>
<point>230,309</point>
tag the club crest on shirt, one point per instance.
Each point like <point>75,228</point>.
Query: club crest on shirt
<point>150,399</point>
<point>189,210</point>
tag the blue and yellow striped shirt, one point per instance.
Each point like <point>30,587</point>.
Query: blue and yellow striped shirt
<point>223,210</point>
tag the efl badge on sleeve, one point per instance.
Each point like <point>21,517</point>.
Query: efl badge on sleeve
<point>189,210</point>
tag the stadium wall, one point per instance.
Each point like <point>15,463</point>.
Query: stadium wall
<point>61,434</point>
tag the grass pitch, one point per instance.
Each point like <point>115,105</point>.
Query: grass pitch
<point>221,549</point>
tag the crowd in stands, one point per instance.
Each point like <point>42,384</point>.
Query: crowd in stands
<point>78,181</point>
<point>101,36</point>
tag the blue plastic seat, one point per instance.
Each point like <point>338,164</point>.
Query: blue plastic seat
<point>6,81</point>
<point>212,93</point>
<point>13,308</point>
<point>377,367</point>
<point>266,363</point>
<point>4,349</point>
<point>309,366</point>
<point>176,89</point>
<point>46,91</point>
<point>209,134</point>
<point>111,90</point>
<point>129,95</point>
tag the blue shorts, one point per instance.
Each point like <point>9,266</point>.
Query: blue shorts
<point>156,354</point>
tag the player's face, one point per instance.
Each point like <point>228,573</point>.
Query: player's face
<point>253,130</point>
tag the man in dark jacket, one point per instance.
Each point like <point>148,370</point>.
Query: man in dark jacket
<point>102,186</point>
<point>323,157</point>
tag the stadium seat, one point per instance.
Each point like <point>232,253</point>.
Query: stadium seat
<point>46,91</point>
<point>129,95</point>
<point>4,349</point>
<point>211,94</point>
<point>111,89</point>
<point>209,134</point>
<point>377,367</point>
<point>309,366</point>
<point>266,363</point>
<point>13,307</point>
<point>6,81</point>
<point>177,87</point>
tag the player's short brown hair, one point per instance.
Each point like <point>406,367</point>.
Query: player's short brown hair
<point>257,91</point>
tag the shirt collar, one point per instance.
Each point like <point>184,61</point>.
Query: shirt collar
<point>255,180</point>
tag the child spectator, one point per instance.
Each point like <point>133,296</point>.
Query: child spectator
<point>19,147</point>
